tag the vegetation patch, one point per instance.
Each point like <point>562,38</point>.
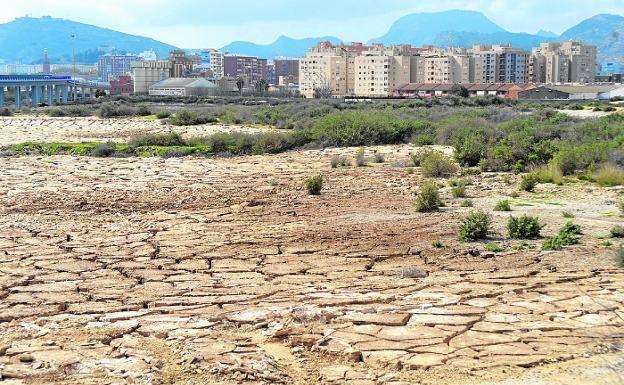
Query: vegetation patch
<point>428,199</point>
<point>524,227</point>
<point>475,227</point>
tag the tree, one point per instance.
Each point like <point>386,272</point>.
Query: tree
<point>322,92</point>
<point>262,87</point>
<point>459,90</point>
<point>100,93</point>
<point>240,83</point>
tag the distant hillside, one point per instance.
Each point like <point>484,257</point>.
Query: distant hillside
<point>605,31</point>
<point>283,46</point>
<point>468,39</point>
<point>544,33</point>
<point>24,39</point>
<point>423,28</point>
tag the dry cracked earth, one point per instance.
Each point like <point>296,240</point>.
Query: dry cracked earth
<point>224,271</point>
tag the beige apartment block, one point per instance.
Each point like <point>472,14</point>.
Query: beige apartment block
<point>379,71</point>
<point>327,69</point>
<point>568,62</point>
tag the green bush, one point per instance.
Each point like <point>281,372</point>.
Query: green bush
<point>466,203</point>
<point>567,214</point>
<point>617,232</point>
<point>437,244</point>
<point>493,248</point>
<point>436,164</point>
<point>503,205</point>
<point>163,114</point>
<point>528,182</point>
<point>314,184</point>
<point>568,235</point>
<point>525,227</point>
<point>164,140</point>
<point>428,199</point>
<point>619,256</point>
<point>104,150</point>
<point>188,118</point>
<point>475,227</point>
<point>459,191</point>
<point>548,174</point>
<point>360,160</point>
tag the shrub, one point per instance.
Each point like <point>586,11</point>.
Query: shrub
<point>165,140</point>
<point>360,160</point>
<point>143,110</point>
<point>436,164</point>
<point>459,191</point>
<point>104,150</point>
<point>163,114</point>
<point>437,244</point>
<point>568,235</point>
<point>5,112</point>
<point>475,227</point>
<point>314,184</point>
<point>467,203</point>
<point>567,214</point>
<point>503,205</point>
<point>110,110</point>
<point>177,153</point>
<point>423,140</point>
<point>428,199</point>
<point>340,161</point>
<point>528,182</point>
<point>619,256</point>
<point>617,232</point>
<point>188,118</point>
<point>609,176</point>
<point>548,174</point>
<point>379,158</point>
<point>525,227</point>
<point>493,248</point>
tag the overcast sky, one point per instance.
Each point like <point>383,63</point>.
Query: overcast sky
<point>212,23</point>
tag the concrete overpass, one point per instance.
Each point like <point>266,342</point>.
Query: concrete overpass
<point>49,89</point>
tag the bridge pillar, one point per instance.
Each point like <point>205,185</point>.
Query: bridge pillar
<point>2,96</point>
<point>17,92</point>
<point>74,93</point>
<point>49,92</point>
<point>65,90</point>
<point>34,96</point>
<point>57,94</point>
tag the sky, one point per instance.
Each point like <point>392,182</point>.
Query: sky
<point>214,23</point>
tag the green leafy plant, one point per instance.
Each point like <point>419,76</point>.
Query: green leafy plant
<point>567,214</point>
<point>493,248</point>
<point>436,164</point>
<point>314,184</point>
<point>459,191</point>
<point>437,244</point>
<point>617,232</point>
<point>528,182</point>
<point>503,205</point>
<point>524,227</point>
<point>428,199</point>
<point>475,227</point>
<point>568,235</point>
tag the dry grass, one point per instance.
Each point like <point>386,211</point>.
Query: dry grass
<point>609,175</point>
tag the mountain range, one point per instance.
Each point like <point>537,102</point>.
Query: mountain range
<point>24,39</point>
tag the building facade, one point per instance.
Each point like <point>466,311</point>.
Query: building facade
<point>250,68</point>
<point>123,86</point>
<point>286,71</point>
<point>568,62</point>
<point>212,59</point>
<point>110,67</point>
<point>146,73</point>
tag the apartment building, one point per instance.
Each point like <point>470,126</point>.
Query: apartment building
<point>380,70</point>
<point>286,70</point>
<point>325,69</point>
<point>568,62</point>
<point>250,68</point>
<point>212,59</point>
<point>110,67</point>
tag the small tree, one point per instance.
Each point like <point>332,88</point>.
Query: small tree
<point>459,90</point>
<point>240,83</point>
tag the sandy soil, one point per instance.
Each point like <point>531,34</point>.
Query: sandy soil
<point>224,271</point>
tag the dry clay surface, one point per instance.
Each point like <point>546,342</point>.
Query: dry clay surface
<point>224,271</point>
<point>42,128</point>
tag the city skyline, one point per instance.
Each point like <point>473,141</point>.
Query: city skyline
<point>196,24</point>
